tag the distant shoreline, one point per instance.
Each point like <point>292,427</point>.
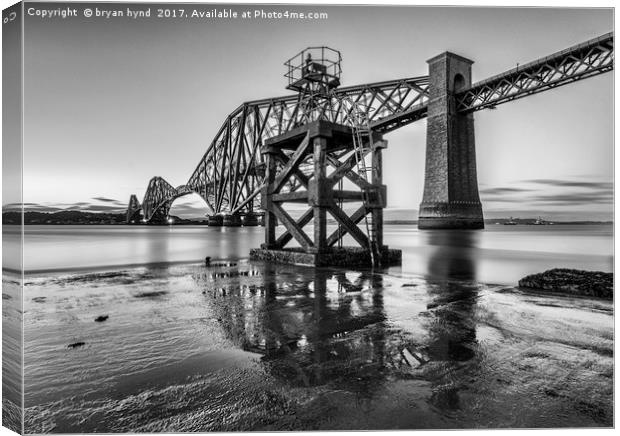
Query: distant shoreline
<point>501,221</point>
<point>99,218</point>
<point>204,223</point>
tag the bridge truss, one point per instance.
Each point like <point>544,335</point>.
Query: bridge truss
<point>576,63</point>
<point>231,173</point>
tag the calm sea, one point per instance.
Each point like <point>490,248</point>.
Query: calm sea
<point>499,254</point>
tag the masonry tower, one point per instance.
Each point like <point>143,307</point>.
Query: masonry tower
<point>451,199</point>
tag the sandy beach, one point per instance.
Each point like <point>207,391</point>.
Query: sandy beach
<point>250,346</point>
<point>12,351</point>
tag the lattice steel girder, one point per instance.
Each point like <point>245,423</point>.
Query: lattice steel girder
<point>332,157</point>
<point>133,208</point>
<point>159,193</point>
<point>231,172</point>
<point>159,197</point>
<point>578,62</point>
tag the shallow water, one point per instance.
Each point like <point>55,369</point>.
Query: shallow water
<point>252,346</point>
<point>499,254</point>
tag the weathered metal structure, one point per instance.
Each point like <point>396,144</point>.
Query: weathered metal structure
<point>331,154</point>
<point>231,174</point>
<point>307,165</point>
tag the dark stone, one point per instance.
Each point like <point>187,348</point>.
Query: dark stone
<point>250,220</point>
<point>76,345</point>
<point>101,318</point>
<point>551,392</point>
<point>150,294</point>
<point>233,220</point>
<point>215,220</point>
<point>572,281</point>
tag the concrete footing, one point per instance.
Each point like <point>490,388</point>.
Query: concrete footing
<point>215,220</point>
<point>233,220</point>
<point>250,220</point>
<point>338,257</point>
<point>451,215</point>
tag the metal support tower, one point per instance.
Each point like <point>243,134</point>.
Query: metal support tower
<point>319,155</point>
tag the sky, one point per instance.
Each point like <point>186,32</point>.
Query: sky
<point>110,103</point>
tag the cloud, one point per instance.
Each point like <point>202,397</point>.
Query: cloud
<point>602,197</point>
<point>184,201</point>
<point>90,207</point>
<point>17,206</point>
<point>189,210</point>
<point>502,191</point>
<point>57,207</point>
<point>35,207</point>
<point>554,192</point>
<point>107,200</point>
<point>102,208</point>
<point>571,184</point>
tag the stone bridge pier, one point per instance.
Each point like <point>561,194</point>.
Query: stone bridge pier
<point>450,199</point>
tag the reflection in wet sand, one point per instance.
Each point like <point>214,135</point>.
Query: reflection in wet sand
<point>454,254</point>
<point>322,327</point>
<point>452,329</point>
<point>12,349</point>
<point>313,327</point>
<point>253,346</point>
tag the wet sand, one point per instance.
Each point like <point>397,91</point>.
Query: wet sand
<point>11,351</point>
<point>252,346</point>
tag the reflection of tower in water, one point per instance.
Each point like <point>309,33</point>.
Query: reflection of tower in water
<point>315,327</point>
<point>452,329</point>
<point>455,254</point>
<point>311,326</point>
<point>157,246</point>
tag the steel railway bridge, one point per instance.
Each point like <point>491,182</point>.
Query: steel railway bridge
<point>230,175</point>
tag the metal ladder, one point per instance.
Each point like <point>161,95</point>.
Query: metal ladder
<point>360,122</point>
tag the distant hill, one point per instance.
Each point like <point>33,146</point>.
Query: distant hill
<point>66,217</point>
<point>63,217</point>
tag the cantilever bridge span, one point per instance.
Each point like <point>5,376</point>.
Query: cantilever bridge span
<point>231,173</point>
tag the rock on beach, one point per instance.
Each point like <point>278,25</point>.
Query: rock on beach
<point>572,281</point>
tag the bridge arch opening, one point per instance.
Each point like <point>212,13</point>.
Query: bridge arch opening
<point>189,207</point>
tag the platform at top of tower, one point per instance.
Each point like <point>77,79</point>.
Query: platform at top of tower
<point>339,136</point>
<point>314,69</point>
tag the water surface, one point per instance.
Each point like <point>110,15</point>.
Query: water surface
<point>498,254</point>
<point>444,341</point>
